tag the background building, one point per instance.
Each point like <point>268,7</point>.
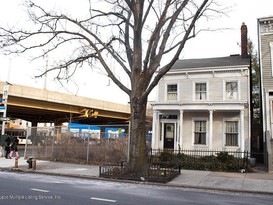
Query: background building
<point>265,36</point>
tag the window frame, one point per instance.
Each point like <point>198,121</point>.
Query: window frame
<point>203,142</point>
<point>200,92</point>
<point>226,144</point>
<point>169,93</point>
<point>226,91</point>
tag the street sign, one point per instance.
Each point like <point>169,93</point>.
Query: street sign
<point>5,92</point>
<point>4,119</point>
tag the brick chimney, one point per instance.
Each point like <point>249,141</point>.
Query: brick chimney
<point>244,52</point>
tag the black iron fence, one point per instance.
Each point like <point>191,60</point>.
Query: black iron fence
<point>155,172</point>
<point>213,160</point>
<point>164,165</point>
<point>258,160</point>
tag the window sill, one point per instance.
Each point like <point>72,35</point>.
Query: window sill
<point>200,146</point>
<point>229,147</point>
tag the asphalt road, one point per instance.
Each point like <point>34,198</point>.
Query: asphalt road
<point>23,188</point>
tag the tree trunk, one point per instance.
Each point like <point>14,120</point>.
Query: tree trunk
<point>138,163</point>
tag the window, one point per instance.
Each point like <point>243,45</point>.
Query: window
<point>167,116</point>
<point>232,133</point>
<point>172,92</point>
<point>200,91</point>
<point>231,90</point>
<point>200,132</point>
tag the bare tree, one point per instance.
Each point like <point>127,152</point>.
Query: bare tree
<point>143,38</point>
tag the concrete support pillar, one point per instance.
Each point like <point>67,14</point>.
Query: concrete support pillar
<point>32,131</point>
<point>34,123</point>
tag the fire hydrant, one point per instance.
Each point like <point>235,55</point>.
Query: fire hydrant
<point>29,161</point>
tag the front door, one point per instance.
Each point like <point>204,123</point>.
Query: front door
<point>169,133</point>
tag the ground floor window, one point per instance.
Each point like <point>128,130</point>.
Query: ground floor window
<point>200,132</point>
<point>232,133</point>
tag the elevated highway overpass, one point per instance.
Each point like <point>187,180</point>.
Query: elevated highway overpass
<point>44,106</point>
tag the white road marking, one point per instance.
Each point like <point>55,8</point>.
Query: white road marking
<point>40,190</point>
<point>101,199</point>
<point>81,169</point>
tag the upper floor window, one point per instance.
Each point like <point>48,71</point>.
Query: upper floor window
<point>232,90</point>
<point>200,132</point>
<point>200,91</point>
<point>267,27</point>
<point>231,133</point>
<point>172,92</point>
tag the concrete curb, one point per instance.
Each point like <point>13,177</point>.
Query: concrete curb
<point>13,169</point>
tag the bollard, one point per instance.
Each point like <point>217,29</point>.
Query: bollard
<point>16,162</point>
<point>34,164</point>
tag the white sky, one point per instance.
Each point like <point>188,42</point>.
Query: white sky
<point>19,70</point>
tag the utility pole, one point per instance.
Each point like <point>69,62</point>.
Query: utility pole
<point>5,102</point>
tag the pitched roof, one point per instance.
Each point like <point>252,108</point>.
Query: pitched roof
<point>220,62</point>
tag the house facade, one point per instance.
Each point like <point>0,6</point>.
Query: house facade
<point>265,42</point>
<point>204,104</point>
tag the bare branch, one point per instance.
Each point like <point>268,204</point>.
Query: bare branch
<point>136,35</point>
<point>167,67</point>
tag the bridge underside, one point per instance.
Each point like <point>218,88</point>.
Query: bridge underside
<point>43,106</point>
<point>48,112</point>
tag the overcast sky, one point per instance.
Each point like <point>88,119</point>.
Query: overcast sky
<point>207,44</point>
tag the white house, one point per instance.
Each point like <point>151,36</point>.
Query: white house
<point>205,104</point>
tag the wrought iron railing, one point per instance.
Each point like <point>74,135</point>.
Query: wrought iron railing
<point>155,172</point>
<point>214,160</point>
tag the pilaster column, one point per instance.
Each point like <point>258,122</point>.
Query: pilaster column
<point>210,128</point>
<point>155,133</point>
<point>242,127</point>
<point>180,141</point>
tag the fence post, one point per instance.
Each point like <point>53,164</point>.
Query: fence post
<point>87,151</point>
<point>150,157</point>
<point>16,162</point>
<point>26,145</point>
<point>179,166</point>
<point>52,146</point>
<point>268,152</point>
<point>246,158</point>
<point>34,164</point>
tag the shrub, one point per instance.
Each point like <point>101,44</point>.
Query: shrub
<point>225,157</point>
<point>166,157</point>
<point>222,161</point>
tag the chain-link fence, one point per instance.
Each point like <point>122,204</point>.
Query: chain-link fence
<point>88,146</point>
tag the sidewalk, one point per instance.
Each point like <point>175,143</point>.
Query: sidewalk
<point>241,182</point>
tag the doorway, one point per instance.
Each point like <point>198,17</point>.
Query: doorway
<point>169,135</point>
